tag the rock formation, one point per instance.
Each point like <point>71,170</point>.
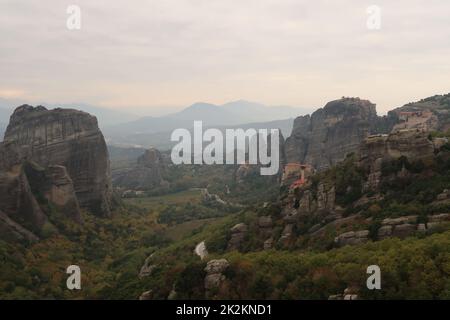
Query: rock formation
<point>376,150</point>
<point>56,186</point>
<point>71,139</point>
<point>147,268</point>
<point>16,198</point>
<point>330,133</point>
<point>265,226</point>
<point>147,295</point>
<point>12,231</point>
<point>352,238</point>
<point>238,233</point>
<point>214,275</point>
<point>51,160</point>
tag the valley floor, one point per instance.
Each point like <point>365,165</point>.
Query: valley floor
<point>112,253</point>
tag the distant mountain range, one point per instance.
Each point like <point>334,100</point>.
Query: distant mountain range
<point>233,113</point>
<point>155,131</point>
<point>122,128</point>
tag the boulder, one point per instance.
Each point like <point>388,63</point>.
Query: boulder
<point>268,244</point>
<point>214,277</point>
<point>238,233</point>
<point>216,266</point>
<point>147,295</point>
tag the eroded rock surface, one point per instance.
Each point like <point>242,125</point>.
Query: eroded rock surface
<point>214,274</point>
<point>238,233</point>
<point>51,160</point>
<point>71,139</point>
<point>330,133</point>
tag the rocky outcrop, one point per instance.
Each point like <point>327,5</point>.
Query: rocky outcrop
<point>238,233</point>
<point>435,221</point>
<point>51,161</point>
<point>147,268</point>
<point>147,174</point>
<point>407,226</point>
<point>17,200</point>
<point>147,295</point>
<point>286,234</point>
<point>268,244</point>
<point>330,133</point>
<point>352,238</point>
<point>378,149</point>
<point>351,293</point>
<point>326,197</point>
<point>304,202</point>
<point>71,139</point>
<point>265,225</point>
<point>401,227</point>
<point>56,186</point>
<point>27,190</point>
<point>12,231</point>
<point>214,275</point>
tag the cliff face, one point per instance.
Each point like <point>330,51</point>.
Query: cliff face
<point>70,139</point>
<point>354,190</point>
<point>332,132</point>
<point>16,198</point>
<point>376,150</point>
<point>51,160</point>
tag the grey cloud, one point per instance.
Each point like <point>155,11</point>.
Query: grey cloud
<point>175,52</point>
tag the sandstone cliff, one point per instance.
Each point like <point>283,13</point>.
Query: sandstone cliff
<point>16,198</point>
<point>51,160</point>
<point>68,138</point>
<point>330,133</point>
<point>376,150</point>
<point>354,190</point>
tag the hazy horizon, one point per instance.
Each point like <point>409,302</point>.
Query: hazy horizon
<point>152,56</point>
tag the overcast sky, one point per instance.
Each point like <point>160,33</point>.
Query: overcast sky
<point>157,53</point>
